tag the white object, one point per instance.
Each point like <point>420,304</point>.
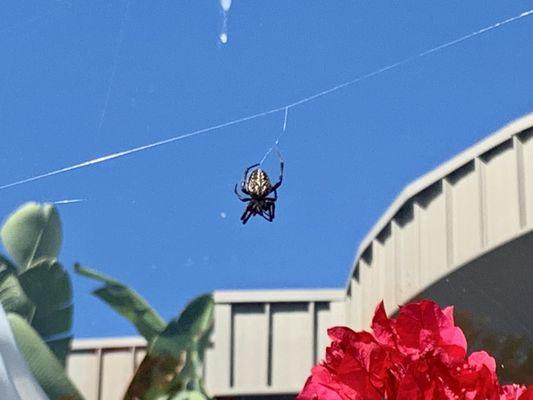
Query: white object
<point>16,380</point>
<point>225,4</point>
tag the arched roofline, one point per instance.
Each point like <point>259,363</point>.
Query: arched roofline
<point>497,138</point>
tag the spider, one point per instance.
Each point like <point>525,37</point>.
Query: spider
<point>257,186</point>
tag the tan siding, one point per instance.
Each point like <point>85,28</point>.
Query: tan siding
<point>501,191</point>
<point>433,235</point>
<point>210,369</point>
<point>389,245</point>
<point>250,327</point>
<point>324,320</point>
<point>527,143</point>
<point>367,285</point>
<point>466,213</point>
<point>356,321</point>
<point>292,343</point>
<point>219,378</point>
<point>408,268</point>
<point>380,268</point>
<point>82,367</point>
<point>116,381</point>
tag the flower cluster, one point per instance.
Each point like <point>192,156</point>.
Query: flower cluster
<point>420,355</point>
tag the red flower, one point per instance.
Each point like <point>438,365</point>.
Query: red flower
<point>419,329</point>
<point>355,368</point>
<point>516,392</point>
<point>420,355</point>
<point>477,377</point>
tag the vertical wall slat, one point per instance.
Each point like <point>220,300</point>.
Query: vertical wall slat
<point>356,322</point>
<point>250,330</point>
<point>388,242</point>
<point>326,317</point>
<point>526,140</point>
<point>270,329</point>
<point>482,199</point>
<point>501,191</point>
<point>83,368</point>
<point>220,375</point>
<point>448,193</point>
<point>380,271</point>
<point>519,150</point>
<point>433,233</point>
<point>466,212</point>
<point>408,258</point>
<point>99,375</point>
<point>312,311</point>
<point>115,377</point>
<point>366,285</point>
<point>292,345</point>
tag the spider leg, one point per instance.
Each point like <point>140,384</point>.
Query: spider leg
<point>243,189</point>
<point>275,195</point>
<point>248,212</point>
<point>246,216</point>
<point>243,183</point>
<point>248,170</point>
<point>268,213</point>
<point>241,198</point>
<point>265,216</point>
<point>272,211</point>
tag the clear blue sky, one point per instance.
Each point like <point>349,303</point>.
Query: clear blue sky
<point>73,88</point>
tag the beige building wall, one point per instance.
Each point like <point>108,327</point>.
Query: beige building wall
<point>265,342</point>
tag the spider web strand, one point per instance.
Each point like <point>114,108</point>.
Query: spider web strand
<point>276,142</point>
<point>68,201</point>
<point>120,39</point>
<point>274,110</point>
<point>119,154</point>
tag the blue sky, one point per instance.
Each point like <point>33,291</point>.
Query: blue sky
<point>79,80</point>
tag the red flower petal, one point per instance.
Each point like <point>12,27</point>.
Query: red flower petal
<point>516,392</point>
<point>423,327</point>
<point>382,327</point>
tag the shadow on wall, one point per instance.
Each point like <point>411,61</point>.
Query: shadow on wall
<point>493,298</point>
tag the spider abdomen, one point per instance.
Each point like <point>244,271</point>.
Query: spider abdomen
<point>258,183</point>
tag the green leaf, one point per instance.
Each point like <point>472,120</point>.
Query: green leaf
<point>60,347</point>
<point>186,330</point>
<point>42,363</point>
<point>32,232</point>
<point>127,303</point>
<point>7,266</point>
<point>205,341</point>
<point>49,288</point>
<point>173,360</point>
<point>189,395</point>
<point>12,296</point>
<point>156,377</point>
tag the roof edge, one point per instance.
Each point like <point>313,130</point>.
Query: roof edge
<point>496,138</point>
<point>107,342</point>
<point>278,295</point>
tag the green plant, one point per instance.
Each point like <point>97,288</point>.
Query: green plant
<point>36,293</point>
<point>171,369</point>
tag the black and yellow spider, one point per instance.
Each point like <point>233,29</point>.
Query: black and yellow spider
<point>257,186</point>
